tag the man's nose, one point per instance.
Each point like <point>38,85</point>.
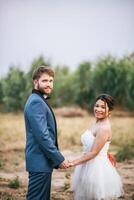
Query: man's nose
<point>49,83</point>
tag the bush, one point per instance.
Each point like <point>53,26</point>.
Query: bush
<point>106,75</point>
<point>15,183</point>
<point>13,87</point>
<point>127,152</point>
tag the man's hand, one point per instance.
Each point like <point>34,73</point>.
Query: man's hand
<point>65,164</point>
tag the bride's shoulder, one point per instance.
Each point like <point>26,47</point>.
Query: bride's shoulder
<point>104,127</point>
<point>105,131</point>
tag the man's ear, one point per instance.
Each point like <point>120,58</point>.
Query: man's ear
<point>35,82</point>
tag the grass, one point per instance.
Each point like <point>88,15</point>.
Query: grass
<point>12,134</point>
<point>123,132</point>
<point>12,131</point>
<point>12,144</point>
<point>125,153</point>
<point>72,128</point>
<point>15,183</point>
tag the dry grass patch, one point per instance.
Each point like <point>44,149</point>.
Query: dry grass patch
<point>70,130</point>
<point>123,131</point>
<point>12,132</point>
<point>12,143</point>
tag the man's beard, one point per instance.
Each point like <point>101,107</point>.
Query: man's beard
<point>42,90</point>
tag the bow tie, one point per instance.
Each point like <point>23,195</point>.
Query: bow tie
<point>40,93</point>
<point>47,98</point>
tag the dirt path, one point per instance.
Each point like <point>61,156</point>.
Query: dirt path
<point>61,183</point>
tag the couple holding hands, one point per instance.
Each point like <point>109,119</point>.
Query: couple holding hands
<point>95,178</point>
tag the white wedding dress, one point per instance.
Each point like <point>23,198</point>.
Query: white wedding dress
<point>96,179</point>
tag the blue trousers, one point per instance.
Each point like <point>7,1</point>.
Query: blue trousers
<point>39,186</point>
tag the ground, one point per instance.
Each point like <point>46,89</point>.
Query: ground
<point>61,182</point>
<point>12,145</point>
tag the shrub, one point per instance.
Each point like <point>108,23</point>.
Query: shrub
<point>15,183</point>
<point>126,152</point>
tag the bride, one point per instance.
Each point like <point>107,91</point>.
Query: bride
<point>95,178</point>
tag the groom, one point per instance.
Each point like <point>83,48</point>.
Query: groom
<point>42,154</point>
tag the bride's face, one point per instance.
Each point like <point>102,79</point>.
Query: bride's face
<point>101,110</point>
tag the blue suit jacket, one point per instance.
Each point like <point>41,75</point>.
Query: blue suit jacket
<point>42,154</point>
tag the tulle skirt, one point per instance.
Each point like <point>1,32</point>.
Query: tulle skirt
<point>96,180</point>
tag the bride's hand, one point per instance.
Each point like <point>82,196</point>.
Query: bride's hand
<point>71,164</point>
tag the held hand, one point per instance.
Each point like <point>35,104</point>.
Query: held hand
<point>64,164</point>
<point>71,163</point>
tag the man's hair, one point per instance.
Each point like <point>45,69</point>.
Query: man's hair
<point>37,73</point>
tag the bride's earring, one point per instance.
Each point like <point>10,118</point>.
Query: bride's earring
<point>109,114</point>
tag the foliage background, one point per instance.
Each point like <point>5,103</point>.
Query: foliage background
<point>105,75</point>
<point>71,88</point>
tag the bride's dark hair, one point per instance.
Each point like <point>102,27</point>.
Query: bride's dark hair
<point>108,99</point>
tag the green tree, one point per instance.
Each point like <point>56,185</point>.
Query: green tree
<point>62,88</point>
<point>105,76</point>
<point>13,87</point>
<point>124,82</point>
<point>1,91</point>
<point>83,85</point>
<point>110,76</point>
<point>129,60</point>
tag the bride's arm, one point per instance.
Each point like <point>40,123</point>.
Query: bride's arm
<point>99,142</point>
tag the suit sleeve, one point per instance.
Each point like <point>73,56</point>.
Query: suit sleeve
<point>38,121</point>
